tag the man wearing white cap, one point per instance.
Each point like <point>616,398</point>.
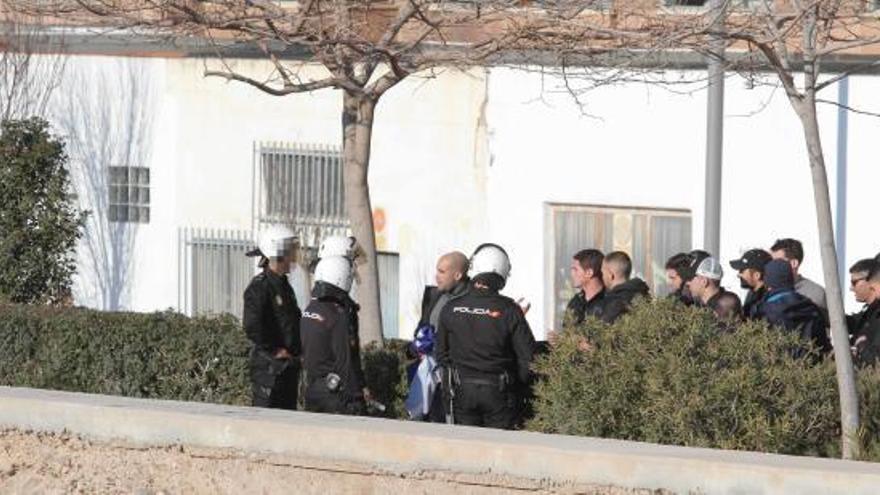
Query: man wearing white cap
<point>707,291</point>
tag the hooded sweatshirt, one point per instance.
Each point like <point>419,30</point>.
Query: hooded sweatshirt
<point>619,299</point>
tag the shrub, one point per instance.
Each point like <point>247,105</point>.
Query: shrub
<point>39,220</point>
<point>385,374</point>
<point>156,355</point>
<point>667,374</point>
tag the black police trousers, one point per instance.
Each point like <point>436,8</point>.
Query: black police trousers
<point>320,399</point>
<point>274,382</point>
<point>479,404</point>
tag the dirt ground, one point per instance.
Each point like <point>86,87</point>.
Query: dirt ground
<point>61,463</point>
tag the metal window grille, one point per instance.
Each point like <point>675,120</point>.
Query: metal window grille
<point>129,191</point>
<point>214,270</point>
<point>650,237</point>
<point>300,184</point>
<point>388,265</point>
<point>389,293</point>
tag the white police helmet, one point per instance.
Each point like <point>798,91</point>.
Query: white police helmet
<point>336,271</point>
<point>277,241</point>
<point>337,245</point>
<point>490,258</point>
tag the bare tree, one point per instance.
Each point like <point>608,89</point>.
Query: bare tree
<point>27,77</point>
<point>792,40</point>
<point>366,47</point>
<point>102,132</point>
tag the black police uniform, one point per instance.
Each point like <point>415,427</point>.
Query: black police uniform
<point>486,342</point>
<point>271,321</point>
<point>331,352</point>
<point>579,308</point>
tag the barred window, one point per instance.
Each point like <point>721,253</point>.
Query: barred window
<point>129,190</point>
<point>214,270</point>
<point>301,183</point>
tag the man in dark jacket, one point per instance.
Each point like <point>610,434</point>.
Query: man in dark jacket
<point>864,326</point>
<point>452,283</point>
<point>784,307</point>
<point>331,344</point>
<point>750,267</point>
<point>676,278</point>
<point>586,277</point>
<point>620,289</point>
<point>271,320</point>
<point>486,343</point>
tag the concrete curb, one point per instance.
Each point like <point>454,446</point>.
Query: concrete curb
<point>407,446</point>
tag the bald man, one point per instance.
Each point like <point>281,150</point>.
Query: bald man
<point>452,283</point>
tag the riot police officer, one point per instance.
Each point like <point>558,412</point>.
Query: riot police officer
<point>271,321</point>
<point>486,346</point>
<point>331,345</point>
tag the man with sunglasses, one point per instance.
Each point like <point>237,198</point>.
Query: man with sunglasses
<point>864,326</point>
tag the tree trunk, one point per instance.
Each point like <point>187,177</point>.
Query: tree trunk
<point>357,130</point>
<point>849,402</point>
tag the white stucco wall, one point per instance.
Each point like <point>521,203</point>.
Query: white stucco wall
<point>427,173</point>
<point>642,146</point>
<point>460,159</point>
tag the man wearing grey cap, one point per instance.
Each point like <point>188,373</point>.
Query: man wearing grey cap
<point>706,289</point>
<point>750,267</point>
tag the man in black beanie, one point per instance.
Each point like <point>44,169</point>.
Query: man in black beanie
<point>784,307</point>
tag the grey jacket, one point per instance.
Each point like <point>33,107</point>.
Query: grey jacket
<point>811,290</point>
<point>814,292</point>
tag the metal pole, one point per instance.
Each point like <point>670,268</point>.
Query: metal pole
<point>842,148</point>
<point>714,136</point>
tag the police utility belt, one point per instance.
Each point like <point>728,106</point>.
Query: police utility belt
<point>502,380</point>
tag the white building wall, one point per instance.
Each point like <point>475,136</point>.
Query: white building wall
<point>642,146</point>
<point>863,239</point>
<point>427,173</point>
<point>461,159</point>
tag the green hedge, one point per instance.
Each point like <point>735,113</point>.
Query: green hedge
<point>661,374</point>
<point>666,374</point>
<point>156,355</point>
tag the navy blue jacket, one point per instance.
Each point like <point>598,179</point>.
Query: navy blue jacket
<point>793,312</point>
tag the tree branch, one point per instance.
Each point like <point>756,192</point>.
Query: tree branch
<point>848,108</point>
<point>330,82</point>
